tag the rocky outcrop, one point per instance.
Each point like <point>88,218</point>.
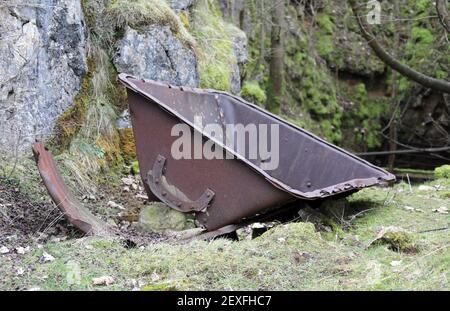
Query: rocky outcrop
<point>178,5</point>
<point>240,51</point>
<point>42,62</point>
<point>155,53</point>
<point>236,13</point>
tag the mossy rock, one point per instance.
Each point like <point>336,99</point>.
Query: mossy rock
<point>442,172</point>
<point>158,217</point>
<point>252,92</point>
<point>400,242</point>
<point>397,239</point>
<point>216,60</point>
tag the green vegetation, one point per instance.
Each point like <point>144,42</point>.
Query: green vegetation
<point>215,39</point>
<point>311,87</point>
<point>86,136</point>
<point>325,35</point>
<point>325,22</point>
<point>362,121</point>
<point>293,256</point>
<point>424,51</point>
<point>135,168</point>
<point>253,92</point>
<point>96,145</point>
<point>139,13</point>
<point>442,171</point>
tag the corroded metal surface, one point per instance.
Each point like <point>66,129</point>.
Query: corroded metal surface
<point>310,168</point>
<point>77,215</point>
<point>172,196</point>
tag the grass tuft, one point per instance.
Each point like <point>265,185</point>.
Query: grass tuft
<point>253,92</point>
<point>139,13</point>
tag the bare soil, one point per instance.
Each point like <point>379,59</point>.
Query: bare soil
<point>22,220</point>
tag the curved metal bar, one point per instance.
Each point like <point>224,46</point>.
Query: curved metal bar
<point>171,195</point>
<point>76,213</point>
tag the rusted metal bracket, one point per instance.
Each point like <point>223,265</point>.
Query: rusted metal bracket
<point>171,195</point>
<point>76,213</point>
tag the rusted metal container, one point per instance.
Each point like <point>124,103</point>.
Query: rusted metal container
<point>224,191</point>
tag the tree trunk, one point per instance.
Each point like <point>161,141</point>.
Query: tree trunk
<point>262,38</point>
<point>276,67</point>
<point>393,106</point>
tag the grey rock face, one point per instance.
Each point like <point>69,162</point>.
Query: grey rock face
<point>178,5</point>
<point>240,51</point>
<point>236,13</point>
<point>240,46</point>
<point>42,62</point>
<point>156,54</point>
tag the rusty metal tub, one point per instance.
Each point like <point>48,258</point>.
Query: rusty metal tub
<point>223,191</point>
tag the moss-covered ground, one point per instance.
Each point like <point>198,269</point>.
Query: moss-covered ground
<point>293,256</point>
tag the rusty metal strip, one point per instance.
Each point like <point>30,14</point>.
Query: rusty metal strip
<point>172,196</point>
<point>77,215</point>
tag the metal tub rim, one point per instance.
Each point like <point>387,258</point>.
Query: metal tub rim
<point>345,186</point>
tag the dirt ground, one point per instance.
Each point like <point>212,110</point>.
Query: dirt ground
<point>23,220</point>
<point>326,249</point>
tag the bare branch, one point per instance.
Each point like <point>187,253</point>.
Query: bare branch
<point>405,70</point>
<point>444,16</point>
<point>416,150</point>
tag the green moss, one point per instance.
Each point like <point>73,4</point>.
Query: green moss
<point>310,87</point>
<point>69,123</point>
<point>325,22</point>
<point>441,74</point>
<point>403,84</point>
<point>400,241</point>
<point>158,217</point>
<point>257,44</point>
<point>274,101</point>
<point>325,45</point>
<point>442,171</point>
<point>135,168</point>
<point>128,144</point>
<point>253,92</point>
<point>215,40</point>
<point>422,5</point>
<point>424,51</point>
<point>139,13</point>
<point>362,121</point>
<point>185,19</point>
<point>422,36</point>
<point>324,35</point>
